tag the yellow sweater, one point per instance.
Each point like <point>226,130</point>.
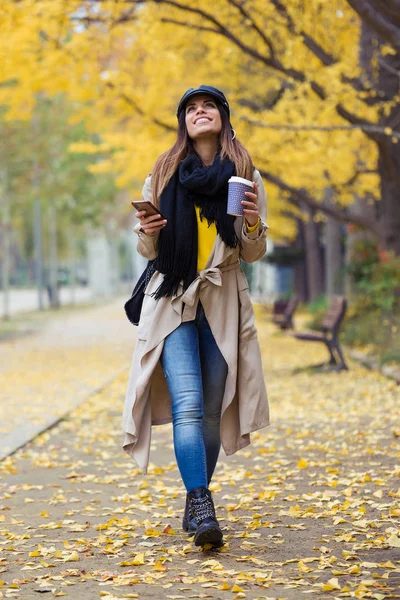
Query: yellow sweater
<point>206,237</point>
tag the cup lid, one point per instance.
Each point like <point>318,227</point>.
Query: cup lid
<point>235,179</point>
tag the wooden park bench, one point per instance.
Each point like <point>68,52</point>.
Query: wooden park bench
<point>329,332</point>
<point>284,311</point>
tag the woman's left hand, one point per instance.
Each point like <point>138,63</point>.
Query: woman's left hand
<point>250,207</point>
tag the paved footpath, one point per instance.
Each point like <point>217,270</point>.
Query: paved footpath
<point>46,374</point>
<point>310,510</point>
<point>26,300</point>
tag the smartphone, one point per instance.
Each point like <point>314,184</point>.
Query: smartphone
<point>148,207</point>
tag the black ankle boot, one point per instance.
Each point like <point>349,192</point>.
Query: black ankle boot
<point>188,522</point>
<point>203,511</point>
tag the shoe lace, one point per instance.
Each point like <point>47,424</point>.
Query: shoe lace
<point>202,508</point>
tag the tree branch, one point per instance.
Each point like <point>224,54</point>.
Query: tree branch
<point>140,111</point>
<point>256,28</point>
<point>366,128</point>
<point>268,105</point>
<point>300,195</point>
<point>273,63</point>
<point>351,118</point>
<point>388,68</point>
<point>390,9</point>
<point>190,25</point>
<point>309,42</point>
<point>221,30</point>
<point>375,21</point>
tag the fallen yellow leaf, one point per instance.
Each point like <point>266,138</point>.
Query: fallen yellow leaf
<point>72,557</point>
<point>332,584</point>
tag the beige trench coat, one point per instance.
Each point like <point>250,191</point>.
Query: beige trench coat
<point>222,289</point>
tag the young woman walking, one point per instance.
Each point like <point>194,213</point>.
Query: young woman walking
<point>197,359</point>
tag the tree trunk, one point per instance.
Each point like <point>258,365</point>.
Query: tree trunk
<point>38,244</point>
<point>53,259</point>
<point>5,226</point>
<point>389,169</point>
<point>313,258</point>
<point>300,272</point>
<point>72,263</point>
<point>333,258</point>
<point>386,81</point>
<point>360,206</point>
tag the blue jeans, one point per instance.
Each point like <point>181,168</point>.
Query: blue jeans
<point>196,372</point>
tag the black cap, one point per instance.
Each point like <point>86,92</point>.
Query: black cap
<point>203,89</point>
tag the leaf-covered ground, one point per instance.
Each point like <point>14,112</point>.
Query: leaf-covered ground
<point>310,510</point>
<point>47,373</point>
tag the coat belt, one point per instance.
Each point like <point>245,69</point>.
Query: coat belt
<point>212,275</point>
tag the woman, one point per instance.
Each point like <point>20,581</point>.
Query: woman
<point>197,360</point>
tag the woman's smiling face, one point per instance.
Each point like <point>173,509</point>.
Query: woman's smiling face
<point>202,117</point>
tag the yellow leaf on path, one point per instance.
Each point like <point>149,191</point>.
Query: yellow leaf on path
<point>303,567</point>
<point>302,464</point>
<point>46,564</point>
<point>224,586</point>
<point>394,541</point>
<point>159,566</point>
<point>388,565</point>
<point>214,564</point>
<point>347,555</point>
<point>294,511</point>
<point>138,559</point>
<point>151,532</point>
<point>236,588</point>
<point>332,584</point>
<point>72,557</point>
<point>354,570</point>
<point>169,530</point>
<point>135,562</point>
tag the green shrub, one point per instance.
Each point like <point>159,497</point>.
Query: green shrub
<point>374,316</point>
<point>317,308</point>
<point>376,275</point>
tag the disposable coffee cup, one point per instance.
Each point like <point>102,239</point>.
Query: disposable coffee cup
<point>237,186</point>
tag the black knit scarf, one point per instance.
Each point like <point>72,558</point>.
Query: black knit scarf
<point>192,184</point>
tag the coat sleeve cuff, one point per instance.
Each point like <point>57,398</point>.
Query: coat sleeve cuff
<point>257,233</point>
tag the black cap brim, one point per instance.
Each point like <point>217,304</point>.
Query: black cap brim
<point>206,90</point>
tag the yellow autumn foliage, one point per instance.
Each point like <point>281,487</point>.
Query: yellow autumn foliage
<point>125,65</point>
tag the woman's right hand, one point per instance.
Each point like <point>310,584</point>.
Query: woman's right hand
<point>150,225</point>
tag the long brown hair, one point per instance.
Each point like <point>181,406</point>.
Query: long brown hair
<point>168,162</point>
